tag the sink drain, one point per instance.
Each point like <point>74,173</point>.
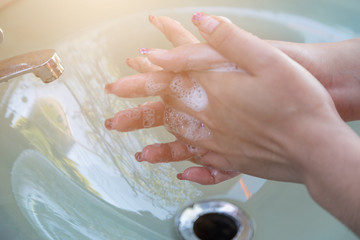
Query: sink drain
<point>214,220</point>
<point>214,226</point>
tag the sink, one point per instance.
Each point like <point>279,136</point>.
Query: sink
<point>64,176</point>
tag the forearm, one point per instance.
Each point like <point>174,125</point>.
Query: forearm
<point>336,66</point>
<point>332,173</point>
<point>343,76</point>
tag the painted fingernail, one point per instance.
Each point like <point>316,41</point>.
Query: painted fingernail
<point>109,124</point>
<point>144,51</point>
<point>204,22</point>
<point>196,18</point>
<point>151,18</point>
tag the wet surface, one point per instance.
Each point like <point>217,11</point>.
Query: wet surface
<point>71,177</point>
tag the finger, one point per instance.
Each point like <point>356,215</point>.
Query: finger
<point>168,152</point>
<point>173,30</point>
<point>246,50</point>
<point>197,57</point>
<point>154,114</point>
<point>213,160</point>
<point>185,126</point>
<point>206,175</point>
<point>141,85</point>
<point>142,65</point>
<point>180,86</point>
<point>144,116</point>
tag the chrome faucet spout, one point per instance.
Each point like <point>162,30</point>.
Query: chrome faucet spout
<point>45,64</point>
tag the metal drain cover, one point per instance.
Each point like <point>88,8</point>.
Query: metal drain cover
<point>214,220</point>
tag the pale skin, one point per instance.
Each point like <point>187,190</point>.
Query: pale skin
<point>274,118</point>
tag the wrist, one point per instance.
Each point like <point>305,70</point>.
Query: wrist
<point>331,170</point>
<point>337,66</point>
<point>331,155</point>
<point>344,77</point>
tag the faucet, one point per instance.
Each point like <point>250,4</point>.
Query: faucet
<point>45,64</point>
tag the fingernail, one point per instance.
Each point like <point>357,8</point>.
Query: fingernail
<point>130,62</point>
<point>197,17</point>
<point>204,22</point>
<point>144,51</point>
<point>180,176</point>
<point>109,124</point>
<point>138,157</point>
<point>108,88</point>
<point>155,21</point>
<point>151,18</point>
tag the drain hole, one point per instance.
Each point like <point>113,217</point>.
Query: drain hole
<point>218,220</point>
<point>215,226</point>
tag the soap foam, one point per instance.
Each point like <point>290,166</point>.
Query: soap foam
<point>193,149</point>
<point>148,115</point>
<point>152,87</point>
<point>133,113</point>
<point>185,125</point>
<point>194,97</point>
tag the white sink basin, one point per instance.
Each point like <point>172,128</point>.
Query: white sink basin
<point>64,176</point>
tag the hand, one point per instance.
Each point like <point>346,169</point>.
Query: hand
<point>255,121</point>
<point>249,115</point>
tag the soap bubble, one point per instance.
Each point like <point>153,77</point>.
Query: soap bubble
<point>194,97</point>
<point>148,117</point>
<point>152,87</point>
<point>185,125</point>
